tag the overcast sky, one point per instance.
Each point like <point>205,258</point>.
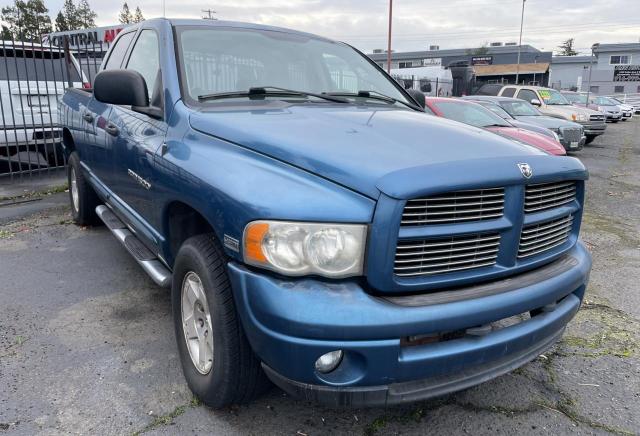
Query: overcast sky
<point>417,23</point>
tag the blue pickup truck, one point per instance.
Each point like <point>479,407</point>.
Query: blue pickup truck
<point>316,227</point>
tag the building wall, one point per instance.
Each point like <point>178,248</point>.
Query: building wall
<point>567,75</point>
<point>605,57</point>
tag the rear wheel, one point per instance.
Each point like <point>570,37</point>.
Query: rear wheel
<point>81,195</point>
<point>217,360</point>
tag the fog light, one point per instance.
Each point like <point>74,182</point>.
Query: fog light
<point>328,362</point>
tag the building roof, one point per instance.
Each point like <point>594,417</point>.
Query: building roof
<point>509,69</point>
<point>573,59</point>
<point>425,54</point>
<point>628,46</point>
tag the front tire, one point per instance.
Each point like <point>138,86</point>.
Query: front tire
<point>82,197</point>
<point>590,139</point>
<point>217,360</point>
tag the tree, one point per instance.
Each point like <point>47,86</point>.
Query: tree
<point>27,20</point>
<point>86,15</point>
<point>566,48</point>
<point>137,16</point>
<point>125,16</point>
<point>480,51</point>
<point>61,22</point>
<point>6,34</point>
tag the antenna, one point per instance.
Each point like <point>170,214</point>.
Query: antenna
<point>209,14</point>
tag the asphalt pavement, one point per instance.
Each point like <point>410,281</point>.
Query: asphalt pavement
<point>87,343</point>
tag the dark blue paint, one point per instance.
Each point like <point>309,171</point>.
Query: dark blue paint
<point>247,160</point>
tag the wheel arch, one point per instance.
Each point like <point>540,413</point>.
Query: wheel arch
<point>181,221</point>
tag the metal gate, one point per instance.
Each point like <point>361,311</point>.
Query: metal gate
<point>33,78</point>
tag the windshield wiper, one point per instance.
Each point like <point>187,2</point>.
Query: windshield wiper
<point>262,91</point>
<point>375,95</point>
<point>497,125</point>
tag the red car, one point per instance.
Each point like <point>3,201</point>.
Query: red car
<point>476,115</point>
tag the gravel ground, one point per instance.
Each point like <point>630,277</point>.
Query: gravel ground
<point>87,345</point>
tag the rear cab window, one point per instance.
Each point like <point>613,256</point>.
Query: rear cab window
<point>27,64</point>
<point>508,92</point>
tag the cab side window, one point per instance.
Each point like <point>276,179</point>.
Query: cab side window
<point>145,59</point>
<point>527,95</point>
<point>118,51</point>
<point>508,92</point>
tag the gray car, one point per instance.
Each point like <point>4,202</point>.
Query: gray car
<point>571,135</point>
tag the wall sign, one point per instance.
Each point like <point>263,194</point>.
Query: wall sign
<point>482,60</point>
<point>84,37</point>
<point>626,73</point>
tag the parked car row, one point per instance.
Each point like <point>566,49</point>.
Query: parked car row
<point>591,112</point>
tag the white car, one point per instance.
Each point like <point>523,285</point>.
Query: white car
<point>627,109</point>
<point>32,79</point>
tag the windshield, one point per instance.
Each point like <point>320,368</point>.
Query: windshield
<point>470,113</point>
<point>604,101</point>
<point>520,108</point>
<point>576,98</point>
<point>496,110</point>
<point>227,60</point>
<point>552,97</point>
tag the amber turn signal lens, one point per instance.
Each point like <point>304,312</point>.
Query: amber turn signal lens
<point>253,236</point>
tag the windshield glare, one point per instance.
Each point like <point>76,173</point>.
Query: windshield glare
<point>576,98</point>
<point>520,108</point>
<point>470,113</point>
<point>222,60</point>
<point>552,97</point>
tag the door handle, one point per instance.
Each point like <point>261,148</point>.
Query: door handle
<point>111,129</point>
<point>88,117</point>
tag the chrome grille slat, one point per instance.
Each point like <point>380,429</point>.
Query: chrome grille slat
<point>457,211</point>
<point>442,244</point>
<point>546,196</point>
<point>540,237</point>
<point>418,253</point>
<point>455,253</point>
<point>455,256</point>
<point>479,203</point>
<point>454,207</point>
<point>440,271</point>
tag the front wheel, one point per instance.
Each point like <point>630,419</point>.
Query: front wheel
<point>82,197</point>
<point>590,139</point>
<point>217,360</point>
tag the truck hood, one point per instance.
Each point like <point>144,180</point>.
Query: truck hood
<point>566,110</point>
<point>355,146</point>
<point>548,122</point>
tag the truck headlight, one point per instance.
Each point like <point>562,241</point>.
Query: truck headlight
<point>300,248</point>
<point>556,136</point>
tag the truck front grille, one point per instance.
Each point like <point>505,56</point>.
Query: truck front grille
<point>571,134</point>
<point>540,237</point>
<point>453,207</point>
<point>443,255</point>
<point>548,195</point>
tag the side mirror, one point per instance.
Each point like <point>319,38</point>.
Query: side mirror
<point>418,97</point>
<point>122,87</point>
<point>535,102</point>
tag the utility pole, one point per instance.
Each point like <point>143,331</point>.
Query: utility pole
<point>520,43</point>
<point>389,37</point>
<point>590,68</point>
<point>209,15</point>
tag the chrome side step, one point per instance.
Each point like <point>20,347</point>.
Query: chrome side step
<point>147,260</point>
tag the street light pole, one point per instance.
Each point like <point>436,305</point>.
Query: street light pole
<point>389,37</point>
<point>520,43</point>
<point>590,68</point>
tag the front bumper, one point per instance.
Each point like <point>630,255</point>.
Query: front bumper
<point>290,323</point>
<point>575,145</point>
<point>592,128</point>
